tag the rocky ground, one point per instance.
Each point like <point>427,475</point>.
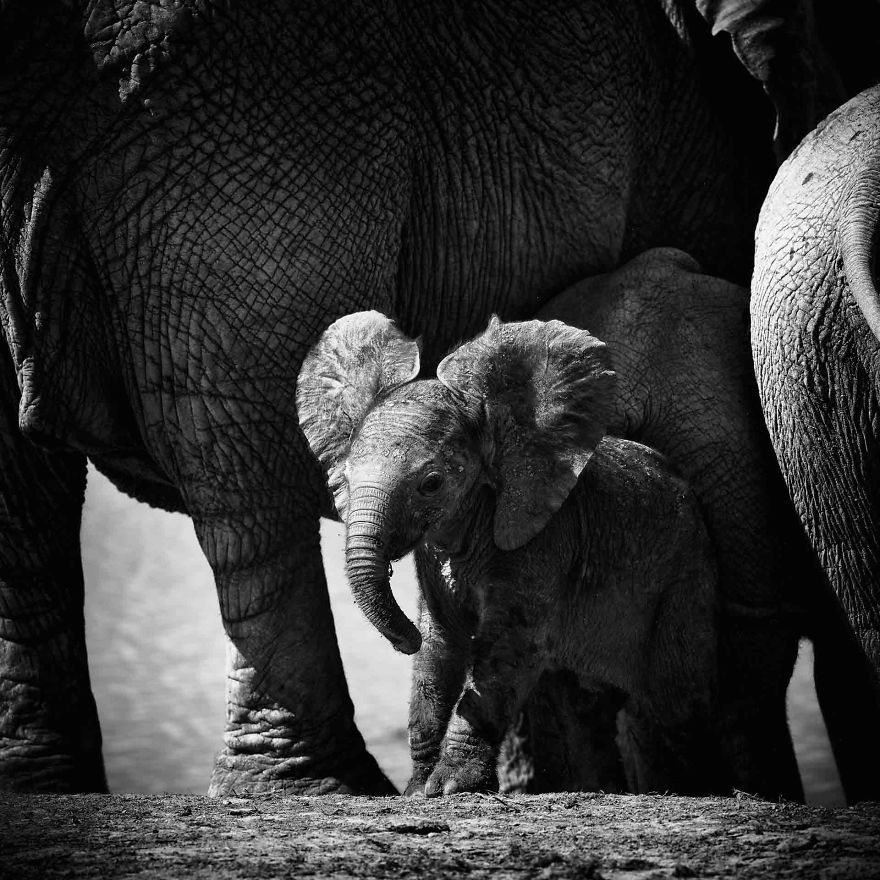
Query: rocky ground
<point>541,836</point>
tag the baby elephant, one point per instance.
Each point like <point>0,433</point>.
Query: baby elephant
<point>553,548</point>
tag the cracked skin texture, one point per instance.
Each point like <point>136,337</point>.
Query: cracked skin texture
<point>816,359</point>
<point>191,197</point>
<point>817,363</point>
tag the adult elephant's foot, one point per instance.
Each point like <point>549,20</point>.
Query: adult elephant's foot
<point>267,750</point>
<point>264,759</point>
<point>237,774</point>
<point>289,722</point>
<point>46,751</point>
<point>301,747</point>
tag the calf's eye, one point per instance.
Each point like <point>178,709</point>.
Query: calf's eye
<point>431,483</point>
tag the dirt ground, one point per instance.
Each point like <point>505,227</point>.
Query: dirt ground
<point>537,836</point>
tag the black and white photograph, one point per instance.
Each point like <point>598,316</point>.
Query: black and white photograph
<point>440,439</point>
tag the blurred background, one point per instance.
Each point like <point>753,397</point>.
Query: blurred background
<point>156,654</point>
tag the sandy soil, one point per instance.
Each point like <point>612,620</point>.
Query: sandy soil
<point>543,836</point>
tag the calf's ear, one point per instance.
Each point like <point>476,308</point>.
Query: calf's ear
<point>547,392</point>
<point>357,358</point>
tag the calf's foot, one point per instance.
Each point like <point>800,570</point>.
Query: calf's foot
<point>471,767</point>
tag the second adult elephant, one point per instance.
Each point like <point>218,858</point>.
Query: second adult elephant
<point>816,338</point>
<point>192,191</point>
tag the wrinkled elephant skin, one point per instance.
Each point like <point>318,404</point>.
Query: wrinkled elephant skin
<point>548,545</point>
<point>678,340</point>
<point>815,327</point>
<point>193,191</point>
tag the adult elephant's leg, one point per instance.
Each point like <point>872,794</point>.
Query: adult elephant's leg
<point>817,361</point>
<point>290,722</point>
<point>757,653</point>
<point>829,453</point>
<point>49,734</point>
<point>255,495</point>
<point>715,435</point>
<point>830,456</point>
<point>849,696</point>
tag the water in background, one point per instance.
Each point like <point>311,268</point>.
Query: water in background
<point>156,654</point>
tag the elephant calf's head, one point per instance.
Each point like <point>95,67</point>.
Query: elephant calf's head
<point>520,408</point>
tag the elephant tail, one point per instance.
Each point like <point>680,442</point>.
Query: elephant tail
<point>858,231</point>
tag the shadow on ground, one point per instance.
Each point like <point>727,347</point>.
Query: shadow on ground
<point>477,836</point>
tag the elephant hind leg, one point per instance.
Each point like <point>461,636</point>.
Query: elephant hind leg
<point>50,739</point>
<point>821,413</point>
<point>758,654</point>
<point>849,696</point>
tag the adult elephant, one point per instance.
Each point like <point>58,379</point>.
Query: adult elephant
<point>816,345</point>
<point>192,191</point>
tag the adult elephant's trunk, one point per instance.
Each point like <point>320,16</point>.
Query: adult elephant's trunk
<point>858,242</point>
<point>366,563</point>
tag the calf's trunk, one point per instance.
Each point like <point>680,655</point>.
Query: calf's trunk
<point>366,563</point>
